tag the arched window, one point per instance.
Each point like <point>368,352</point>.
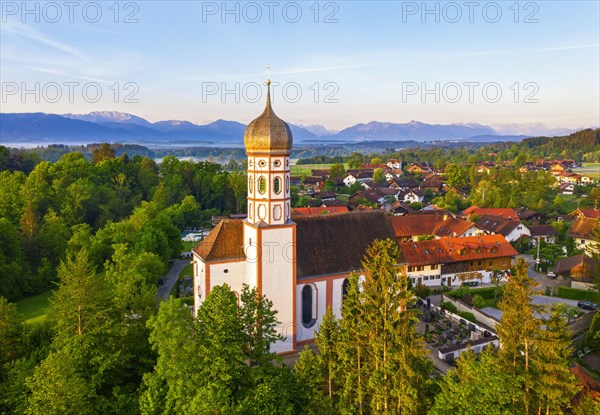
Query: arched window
<point>287,184</point>
<point>309,306</point>
<point>345,285</point>
<point>262,185</point>
<point>251,184</point>
<point>277,185</point>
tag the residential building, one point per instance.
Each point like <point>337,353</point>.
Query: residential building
<point>511,229</point>
<point>450,261</point>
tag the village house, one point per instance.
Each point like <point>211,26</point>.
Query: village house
<point>403,184</point>
<point>581,230</point>
<point>566,188</point>
<point>375,196</point>
<point>411,196</point>
<point>420,168</point>
<point>394,164</point>
<point>451,261</point>
<point>502,212</point>
<point>511,229</point>
<point>580,268</point>
<point>529,215</point>
<point>412,226</point>
<point>545,233</point>
<point>432,182</point>
<point>325,195</point>
<point>360,176</point>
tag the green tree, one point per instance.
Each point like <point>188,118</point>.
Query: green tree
<point>531,354</point>
<point>379,176</point>
<point>477,386</point>
<point>385,363</point>
<point>104,152</point>
<point>238,183</point>
<point>337,170</point>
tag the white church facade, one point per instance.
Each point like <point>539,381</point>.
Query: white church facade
<point>301,265</point>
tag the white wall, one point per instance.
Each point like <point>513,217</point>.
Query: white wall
<point>230,273</point>
<point>278,253</point>
<point>308,333</point>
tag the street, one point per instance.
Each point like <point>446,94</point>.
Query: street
<point>170,278</point>
<point>541,277</point>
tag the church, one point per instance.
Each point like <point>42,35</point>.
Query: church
<point>301,265</point>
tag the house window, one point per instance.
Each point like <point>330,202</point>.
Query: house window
<point>471,263</point>
<point>277,185</point>
<point>479,263</point>
<point>420,268</point>
<point>345,285</point>
<point>411,269</point>
<point>434,266</point>
<point>262,185</point>
<point>309,306</point>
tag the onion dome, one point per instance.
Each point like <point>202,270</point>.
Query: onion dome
<point>268,133</point>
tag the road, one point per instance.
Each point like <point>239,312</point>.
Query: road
<point>541,277</point>
<point>170,278</point>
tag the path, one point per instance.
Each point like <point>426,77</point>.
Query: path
<point>170,278</point>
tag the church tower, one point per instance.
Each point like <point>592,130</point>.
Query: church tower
<point>269,232</point>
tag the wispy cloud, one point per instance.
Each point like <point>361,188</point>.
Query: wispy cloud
<point>25,32</point>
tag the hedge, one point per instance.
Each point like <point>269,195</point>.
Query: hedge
<point>575,294</point>
<point>450,307</point>
<point>468,316</point>
<point>487,293</point>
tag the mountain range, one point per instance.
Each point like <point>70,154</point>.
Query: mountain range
<point>128,128</point>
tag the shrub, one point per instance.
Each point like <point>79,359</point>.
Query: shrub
<point>450,307</point>
<point>478,301</point>
<point>422,291</point>
<point>468,316</point>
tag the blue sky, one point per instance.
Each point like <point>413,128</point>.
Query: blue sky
<point>371,61</point>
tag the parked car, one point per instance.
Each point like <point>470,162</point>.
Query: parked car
<point>470,283</point>
<point>551,274</point>
<point>587,305</point>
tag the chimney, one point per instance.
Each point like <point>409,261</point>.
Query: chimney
<point>445,216</point>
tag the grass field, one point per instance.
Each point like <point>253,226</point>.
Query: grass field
<point>589,169</point>
<point>34,308</point>
<point>296,169</point>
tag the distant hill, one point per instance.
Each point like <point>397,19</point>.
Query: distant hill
<point>127,128</point>
<point>116,126</point>
<point>584,141</point>
<point>413,130</point>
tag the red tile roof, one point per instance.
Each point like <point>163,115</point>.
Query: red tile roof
<point>225,241</point>
<point>504,212</point>
<point>582,227</point>
<point>428,224</point>
<point>448,250</point>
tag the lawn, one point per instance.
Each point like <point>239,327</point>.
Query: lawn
<point>189,245</point>
<point>33,308</point>
<point>589,169</point>
<point>296,169</point>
